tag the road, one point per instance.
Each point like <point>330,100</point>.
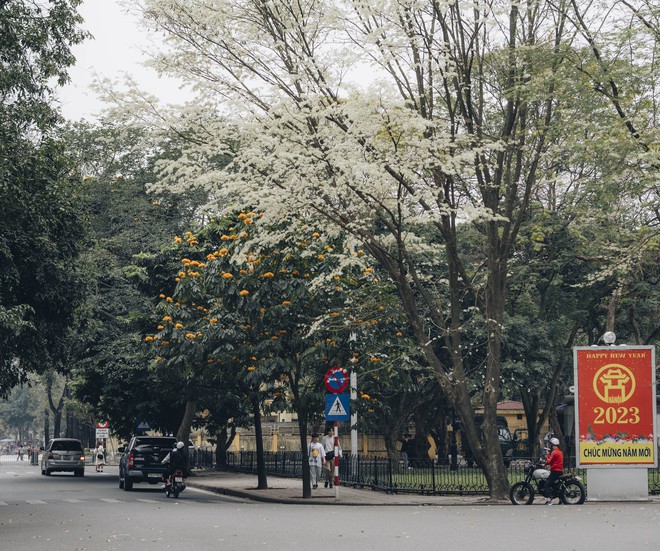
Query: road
<point>61,512</point>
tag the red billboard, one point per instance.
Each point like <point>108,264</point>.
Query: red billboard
<point>615,405</point>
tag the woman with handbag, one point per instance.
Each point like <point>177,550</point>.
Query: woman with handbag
<point>99,459</point>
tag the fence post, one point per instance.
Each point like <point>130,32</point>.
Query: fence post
<point>433,475</point>
<point>389,473</point>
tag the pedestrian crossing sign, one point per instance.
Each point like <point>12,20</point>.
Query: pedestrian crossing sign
<point>337,407</point>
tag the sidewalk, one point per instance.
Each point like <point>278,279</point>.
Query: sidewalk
<point>289,491</point>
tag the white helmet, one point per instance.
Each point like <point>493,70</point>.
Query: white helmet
<point>179,445</point>
<point>554,441</point>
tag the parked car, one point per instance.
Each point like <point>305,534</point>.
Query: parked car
<point>142,460</point>
<point>62,455</point>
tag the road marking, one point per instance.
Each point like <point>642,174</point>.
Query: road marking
<point>148,500</point>
<point>35,502</point>
<point>108,500</point>
<point>3,503</point>
<point>73,500</point>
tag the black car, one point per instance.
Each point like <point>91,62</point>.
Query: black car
<point>143,460</point>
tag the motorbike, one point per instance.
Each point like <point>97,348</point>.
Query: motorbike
<point>567,488</point>
<point>175,484</point>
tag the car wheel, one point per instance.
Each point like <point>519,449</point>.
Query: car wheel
<point>128,484</point>
<point>79,472</point>
<point>47,473</point>
<point>121,483</point>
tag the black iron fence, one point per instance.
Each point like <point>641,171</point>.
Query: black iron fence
<point>390,475</point>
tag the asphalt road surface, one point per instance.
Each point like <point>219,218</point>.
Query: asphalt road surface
<point>61,512</point>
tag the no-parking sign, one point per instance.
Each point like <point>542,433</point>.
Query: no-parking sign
<point>336,380</point>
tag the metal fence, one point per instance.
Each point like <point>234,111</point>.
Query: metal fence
<point>390,475</point>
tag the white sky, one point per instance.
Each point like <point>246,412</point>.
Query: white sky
<point>117,48</point>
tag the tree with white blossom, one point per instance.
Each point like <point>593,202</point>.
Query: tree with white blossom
<point>461,125</point>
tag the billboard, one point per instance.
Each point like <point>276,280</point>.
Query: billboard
<point>615,406</point>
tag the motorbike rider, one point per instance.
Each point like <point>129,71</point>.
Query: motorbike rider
<point>554,460</point>
<point>176,460</point>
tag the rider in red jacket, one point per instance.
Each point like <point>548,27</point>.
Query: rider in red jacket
<point>554,460</point>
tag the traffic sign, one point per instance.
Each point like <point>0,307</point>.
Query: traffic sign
<point>102,434</point>
<point>103,425</point>
<point>337,407</point>
<point>336,380</point>
<point>143,426</point>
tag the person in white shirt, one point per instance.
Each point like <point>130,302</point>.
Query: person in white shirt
<point>329,448</point>
<point>316,455</point>
<point>99,458</point>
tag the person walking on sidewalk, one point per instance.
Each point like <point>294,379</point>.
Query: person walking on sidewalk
<point>316,457</point>
<point>329,448</point>
<point>99,458</point>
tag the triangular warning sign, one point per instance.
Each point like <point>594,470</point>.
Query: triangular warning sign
<point>337,408</point>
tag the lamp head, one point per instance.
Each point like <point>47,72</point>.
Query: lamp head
<point>609,337</point>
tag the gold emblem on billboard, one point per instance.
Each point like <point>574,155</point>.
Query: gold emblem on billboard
<point>614,384</point>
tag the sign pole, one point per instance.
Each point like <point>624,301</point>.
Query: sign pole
<point>354,434</point>
<point>336,458</point>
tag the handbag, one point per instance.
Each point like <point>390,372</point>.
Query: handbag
<point>329,455</point>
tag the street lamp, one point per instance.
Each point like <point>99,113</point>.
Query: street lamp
<point>609,338</point>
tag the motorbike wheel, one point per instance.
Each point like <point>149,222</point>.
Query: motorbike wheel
<point>521,493</point>
<point>572,492</point>
<point>176,492</point>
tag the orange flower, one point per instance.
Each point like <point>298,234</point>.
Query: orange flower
<point>227,275</point>
<point>268,274</point>
<point>244,293</point>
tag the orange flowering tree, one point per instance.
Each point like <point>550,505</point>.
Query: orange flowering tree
<point>273,315</point>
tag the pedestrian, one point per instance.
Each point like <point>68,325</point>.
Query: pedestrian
<point>407,450</point>
<point>555,460</point>
<point>20,452</point>
<point>99,458</point>
<point>316,457</point>
<point>329,449</point>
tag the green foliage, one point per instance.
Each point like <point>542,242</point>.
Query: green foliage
<point>129,261</point>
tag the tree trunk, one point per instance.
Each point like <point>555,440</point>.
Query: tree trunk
<point>222,445</point>
<point>46,426</point>
<point>306,478</point>
<point>183,434</point>
<point>262,480</point>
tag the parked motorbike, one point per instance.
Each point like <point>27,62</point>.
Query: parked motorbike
<point>175,484</point>
<point>567,488</point>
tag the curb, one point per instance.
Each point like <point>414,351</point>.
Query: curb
<point>245,494</point>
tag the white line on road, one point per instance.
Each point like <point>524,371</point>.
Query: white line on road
<point>108,500</point>
<point>148,500</point>
<point>35,502</point>
<point>73,500</point>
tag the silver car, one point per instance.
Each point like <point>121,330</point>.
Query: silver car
<point>63,454</point>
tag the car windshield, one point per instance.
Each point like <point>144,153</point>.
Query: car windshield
<point>146,444</point>
<point>66,445</point>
